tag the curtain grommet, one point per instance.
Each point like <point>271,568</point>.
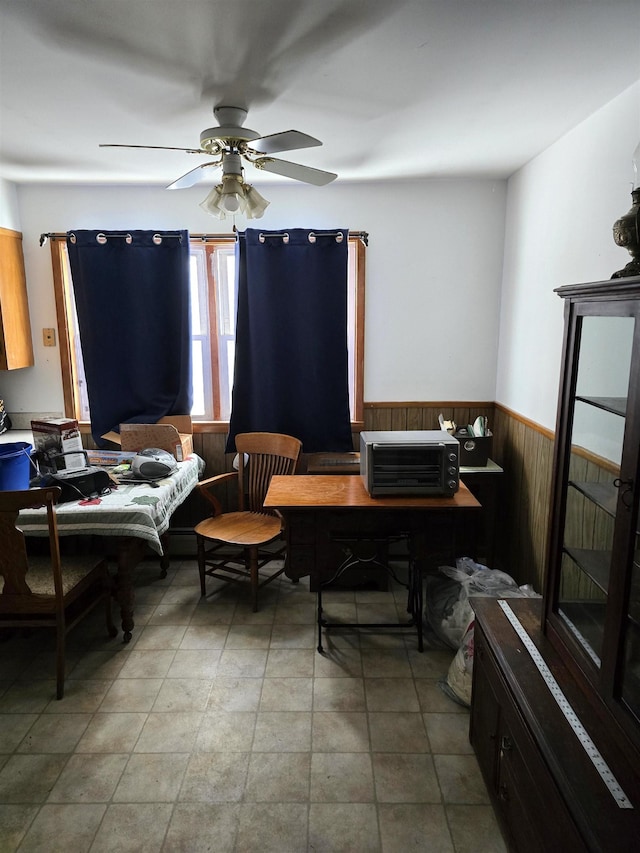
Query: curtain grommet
<point>263,237</point>
<point>157,239</point>
<point>101,238</point>
<point>311,236</point>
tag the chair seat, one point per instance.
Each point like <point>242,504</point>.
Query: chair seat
<point>74,570</point>
<point>241,528</point>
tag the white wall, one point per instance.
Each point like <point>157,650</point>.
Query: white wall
<point>9,217</point>
<point>560,212</point>
<point>433,273</point>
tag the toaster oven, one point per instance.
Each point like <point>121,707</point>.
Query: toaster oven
<point>411,462</point>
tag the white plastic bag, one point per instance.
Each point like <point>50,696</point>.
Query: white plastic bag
<point>457,684</point>
<point>447,607</point>
<point>476,579</point>
<point>457,621</point>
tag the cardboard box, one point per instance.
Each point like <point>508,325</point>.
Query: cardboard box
<point>474,450</point>
<point>173,434</point>
<point>109,458</point>
<point>54,436</point>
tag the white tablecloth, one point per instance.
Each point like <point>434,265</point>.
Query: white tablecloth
<point>135,510</point>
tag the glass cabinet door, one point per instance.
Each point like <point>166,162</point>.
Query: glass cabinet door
<point>596,438</point>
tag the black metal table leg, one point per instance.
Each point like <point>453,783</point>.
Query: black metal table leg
<point>319,616</point>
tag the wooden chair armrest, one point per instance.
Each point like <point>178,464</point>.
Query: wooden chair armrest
<point>218,478</point>
<point>204,488</point>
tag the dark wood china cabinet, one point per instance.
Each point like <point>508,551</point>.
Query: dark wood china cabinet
<point>555,719</point>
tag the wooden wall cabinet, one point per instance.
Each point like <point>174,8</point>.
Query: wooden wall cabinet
<point>556,784</point>
<point>16,349</point>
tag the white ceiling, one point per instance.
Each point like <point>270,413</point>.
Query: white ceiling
<point>395,89</point>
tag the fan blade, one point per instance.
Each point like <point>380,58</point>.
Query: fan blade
<point>288,140</point>
<point>156,147</point>
<point>295,171</point>
<point>190,178</point>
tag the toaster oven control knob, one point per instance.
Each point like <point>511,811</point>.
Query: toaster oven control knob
<point>452,457</point>
<point>452,471</point>
<point>452,484</point>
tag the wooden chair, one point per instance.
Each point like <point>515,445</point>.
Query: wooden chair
<point>47,591</point>
<point>231,545</point>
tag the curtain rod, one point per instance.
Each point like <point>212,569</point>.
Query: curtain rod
<point>104,234</point>
<point>359,235</point>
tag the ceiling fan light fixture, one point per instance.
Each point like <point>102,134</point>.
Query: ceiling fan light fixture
<point>225,199</point>
<point>233,196</point>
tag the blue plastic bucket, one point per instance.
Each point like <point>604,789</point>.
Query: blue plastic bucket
<point>15,465</point>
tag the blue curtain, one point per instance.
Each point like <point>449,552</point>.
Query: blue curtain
<point>132,299</point>
<point>291,363</point>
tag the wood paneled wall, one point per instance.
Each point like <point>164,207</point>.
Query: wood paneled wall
<point>422,415</point>
<point>525,452</point>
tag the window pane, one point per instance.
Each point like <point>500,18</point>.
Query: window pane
<point>225,276</point>
<point>197,281</point>
<point>198,410</point>
<point>202,407</point>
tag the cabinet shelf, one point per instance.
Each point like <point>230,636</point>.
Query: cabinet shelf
<point>615,405</point>
<point>603,495</point>
<point>595,564</point>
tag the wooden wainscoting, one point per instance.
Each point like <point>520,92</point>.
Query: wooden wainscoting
<point>525,451</point>
<point>423,415</point>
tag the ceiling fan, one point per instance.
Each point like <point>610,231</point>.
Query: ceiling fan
<point>231,143</point>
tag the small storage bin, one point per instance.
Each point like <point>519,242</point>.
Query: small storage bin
<point>474,450</point>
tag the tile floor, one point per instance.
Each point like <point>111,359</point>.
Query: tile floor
<point>217,729</point>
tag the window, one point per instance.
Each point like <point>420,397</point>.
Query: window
<point>213,323</point>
